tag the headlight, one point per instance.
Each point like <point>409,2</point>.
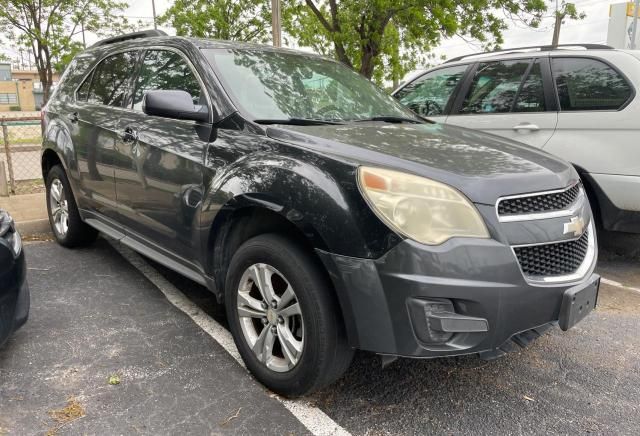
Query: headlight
<point>421,209</point>
<point>9,233</point>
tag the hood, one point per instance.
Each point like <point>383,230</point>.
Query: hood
<point>483,166</point>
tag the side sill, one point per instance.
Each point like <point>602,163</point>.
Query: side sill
<point>149,252</point>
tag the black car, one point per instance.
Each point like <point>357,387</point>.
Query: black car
<point>14,290</point>
<point>326,216</point>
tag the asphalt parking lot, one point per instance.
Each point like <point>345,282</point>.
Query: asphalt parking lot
<point>105,352</point>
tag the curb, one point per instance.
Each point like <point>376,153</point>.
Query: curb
<point>33,226</point>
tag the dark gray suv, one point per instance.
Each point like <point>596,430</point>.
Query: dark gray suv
<point>323,214</point>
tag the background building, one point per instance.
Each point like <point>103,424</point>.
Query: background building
<point>620,29</point>
<point>20,90</point>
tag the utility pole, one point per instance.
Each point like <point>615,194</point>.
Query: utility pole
<point>634,33</point>
<point>153,6</point>
<point>276,25</point>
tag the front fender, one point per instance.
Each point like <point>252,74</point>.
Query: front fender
<point>318,195</point>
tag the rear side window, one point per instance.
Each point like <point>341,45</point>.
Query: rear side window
<point>166,70</point>
<point>588,84</point>
<point>495,88</point>
<point>111,79</point>
<point>429,94</point>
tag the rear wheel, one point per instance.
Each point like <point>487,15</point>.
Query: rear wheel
<point>66,224</point>
<point>284,318</point>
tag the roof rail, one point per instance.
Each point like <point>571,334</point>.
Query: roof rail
<point>534,47</point>
<point>128,36</point>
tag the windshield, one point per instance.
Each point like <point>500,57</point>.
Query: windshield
<point>275,85</point>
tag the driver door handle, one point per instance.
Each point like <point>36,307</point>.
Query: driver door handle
<point>526,126</point>
<point>129,135</point>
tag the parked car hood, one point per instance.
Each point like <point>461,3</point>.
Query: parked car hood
<point>483,166</point>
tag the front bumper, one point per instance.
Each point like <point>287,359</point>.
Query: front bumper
<point>383,300</point>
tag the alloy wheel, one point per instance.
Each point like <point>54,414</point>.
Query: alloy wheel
<point>270,317</point>
<point>59,207</point>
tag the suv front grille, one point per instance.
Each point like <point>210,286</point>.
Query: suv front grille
<point>539,203</point>
<point>556,259</point>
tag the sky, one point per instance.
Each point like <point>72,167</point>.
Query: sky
<point>593,29</point>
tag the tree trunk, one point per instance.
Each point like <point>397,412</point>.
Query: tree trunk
<point>556,30</point>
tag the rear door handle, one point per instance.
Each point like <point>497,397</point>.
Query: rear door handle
<point>73,117</point>
<point>526,126</point>
<point>129,135</point>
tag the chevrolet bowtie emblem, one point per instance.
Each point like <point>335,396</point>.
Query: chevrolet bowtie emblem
<point>575,226</point>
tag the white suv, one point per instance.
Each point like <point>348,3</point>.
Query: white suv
<point>577,102</point>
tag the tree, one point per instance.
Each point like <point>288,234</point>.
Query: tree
<point>48,28</point>
<point>565,10</point>
<point>383,39</point>
<point>235,20</point>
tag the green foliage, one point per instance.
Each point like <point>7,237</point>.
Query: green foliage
<point>235,20</point>
<point>383,39</point>
<point>569,10</point>
<point>50,28</point>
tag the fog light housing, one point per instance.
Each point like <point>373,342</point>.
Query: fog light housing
<point>435,321</point>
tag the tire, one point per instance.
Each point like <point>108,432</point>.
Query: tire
<point>322,354</point>
<point>67,226</point>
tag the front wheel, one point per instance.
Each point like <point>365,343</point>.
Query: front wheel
<point>284,317</point>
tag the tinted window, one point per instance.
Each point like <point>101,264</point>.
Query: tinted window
<point>111,79</point>
<point>83,92</point>
<point>531,95</point>
<point>588,84</point>
<point>494,87</point>
<point>429,94</point>
<point>165,70</point>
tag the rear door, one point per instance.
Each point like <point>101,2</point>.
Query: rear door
<point>159,160</point>
<point>431,94</point>
<point>508,98</point>
<point>598,125</point>
<point>97,110</point>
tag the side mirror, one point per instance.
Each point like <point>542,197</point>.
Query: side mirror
<point>173,104</point>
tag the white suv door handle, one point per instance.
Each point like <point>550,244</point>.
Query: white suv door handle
<point>526,126</point>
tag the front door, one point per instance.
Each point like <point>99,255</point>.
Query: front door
<point>430,95</point>
<point>159,177</point>
<point>507,98</point>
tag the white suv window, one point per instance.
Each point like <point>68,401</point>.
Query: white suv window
<point>589,84</point>
<point>500,87</point>
<point>428,95</point>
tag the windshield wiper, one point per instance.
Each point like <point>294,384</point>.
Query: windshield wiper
<point>298,122</point>
<point>391,119</point>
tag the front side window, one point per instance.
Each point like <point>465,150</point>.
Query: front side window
<point>495,87</point>
<point>531,95</point>
<point>588,84</point>
<point>166,70</point>
<point>273,85</point>
<point>428,95</point>
<point>111,78</point>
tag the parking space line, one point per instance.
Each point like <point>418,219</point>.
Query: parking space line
<point>314,419</point>
<point>619,285</point>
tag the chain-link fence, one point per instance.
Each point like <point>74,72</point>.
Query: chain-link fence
<point>20,145</point>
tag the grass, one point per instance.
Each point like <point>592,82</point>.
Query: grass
<point>33,186</point>
<point>71,412</point>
